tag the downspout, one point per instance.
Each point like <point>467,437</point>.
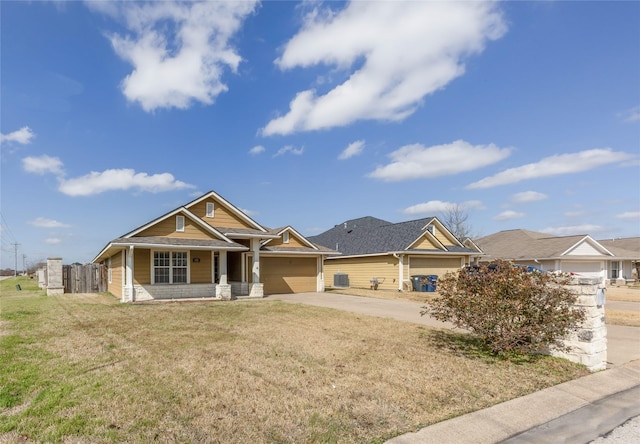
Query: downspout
<point>400,270</point>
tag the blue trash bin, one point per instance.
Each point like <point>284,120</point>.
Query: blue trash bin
<point>432,280</point>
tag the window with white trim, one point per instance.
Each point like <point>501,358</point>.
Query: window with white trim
<point>180,223</point>
<point>285,237</point>
<point>210,209</point>
<point>170,267</point>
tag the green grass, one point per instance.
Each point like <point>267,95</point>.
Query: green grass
<point>85,368</point>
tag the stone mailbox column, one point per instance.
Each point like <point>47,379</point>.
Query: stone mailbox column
<point>589,342</point>
<point>54,276</point>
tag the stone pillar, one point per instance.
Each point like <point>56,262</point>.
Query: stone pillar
<point>54,276</point>
<point>42,278</point>
<point>589,342</point>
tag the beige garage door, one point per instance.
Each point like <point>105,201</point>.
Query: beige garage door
<point>423,265</point>
<point>288,274</point>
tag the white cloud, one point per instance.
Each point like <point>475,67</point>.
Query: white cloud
<point>257,150</point>
<point>178,49</point>
<point>42,165</point>
<point>573,230</point>
<point>633,215</point>
<point>418,162</point>
<point>22,136</point>
<point>48,223</point>
<point>553,166</point>
<point>631,115</point>
<point>528,196</point>
<point>508,215</point>
<point>120,179</point>
<point>289,149</point>
<point>249,213</point>
<point>353,149</point>
<point>438,206</point>
<point>394,53</point>
<point>52,241</point>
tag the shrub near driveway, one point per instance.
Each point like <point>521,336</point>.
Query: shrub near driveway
<point>87,368</point>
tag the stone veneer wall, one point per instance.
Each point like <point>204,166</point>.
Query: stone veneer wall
<point>149,292</point>
<point>589,342</point>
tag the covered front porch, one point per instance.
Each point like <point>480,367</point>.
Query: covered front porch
<point>185,269</point>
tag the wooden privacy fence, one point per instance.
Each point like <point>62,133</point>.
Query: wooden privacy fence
<point>89,278</point>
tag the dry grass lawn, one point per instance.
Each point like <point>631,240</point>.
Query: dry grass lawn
<point>85,368</point>
<point>623,294</point>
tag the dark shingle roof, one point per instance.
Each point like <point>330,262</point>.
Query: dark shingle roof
<point>368,235</point>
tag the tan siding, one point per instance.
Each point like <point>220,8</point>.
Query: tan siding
<point>361,270</point>
<point>442,238</point>
<point>167,228</point>
<point>430,266</point>
<point>425,244</point>
<point>222,217</point>
<point>115,286</point>
<point>141,266</point>
<point>200,271</point>
<point>288,274</point>
<point>293,242</point>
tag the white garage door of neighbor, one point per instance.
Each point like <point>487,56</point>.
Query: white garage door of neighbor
<point>585,269</point>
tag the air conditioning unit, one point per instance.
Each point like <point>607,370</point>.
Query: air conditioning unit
<point>341,280</point>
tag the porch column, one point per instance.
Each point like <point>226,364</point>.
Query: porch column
<point>223,289</point>
<point>223,267</point>
<point>127,295</point>
<point>621,280</point>
<point>256,289</point>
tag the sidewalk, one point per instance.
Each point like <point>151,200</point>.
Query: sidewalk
<point>577,411</point>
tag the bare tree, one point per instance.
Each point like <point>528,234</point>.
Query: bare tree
<point>455,218</point>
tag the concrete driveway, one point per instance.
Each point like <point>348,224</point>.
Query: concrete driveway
<point>623,342</point>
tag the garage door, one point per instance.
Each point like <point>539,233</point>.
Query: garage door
<point>423,265</point>
<point>585,269</point>
<point>288,274</point>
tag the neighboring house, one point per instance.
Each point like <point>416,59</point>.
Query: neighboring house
<point>579,254</point>
<point>210,248</point>
<point>627,257</point>
<point>374,251</point>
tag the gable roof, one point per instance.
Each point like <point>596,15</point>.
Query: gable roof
<point>235,210</point>
<point>627,247</point>
<point>369,235</point>
<point>525,244</point>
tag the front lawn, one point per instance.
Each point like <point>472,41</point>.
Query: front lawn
<point>87,368</point>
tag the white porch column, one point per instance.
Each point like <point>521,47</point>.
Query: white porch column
<point>223,289</point>
<point>255,266</point>
<point>257,289</point>
<point>223,267</point>
<point>127,295</point>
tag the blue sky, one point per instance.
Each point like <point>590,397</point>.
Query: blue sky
<point>527,114</point>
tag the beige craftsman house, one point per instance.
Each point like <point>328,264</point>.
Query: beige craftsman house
<point>210,248</point>
<point>374,251</point>
<point>613,261</point>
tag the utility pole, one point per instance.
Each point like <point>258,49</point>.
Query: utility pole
<point>24,261</point>
<point>15,267</point>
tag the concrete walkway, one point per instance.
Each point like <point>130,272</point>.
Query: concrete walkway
<point>577,411</point>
